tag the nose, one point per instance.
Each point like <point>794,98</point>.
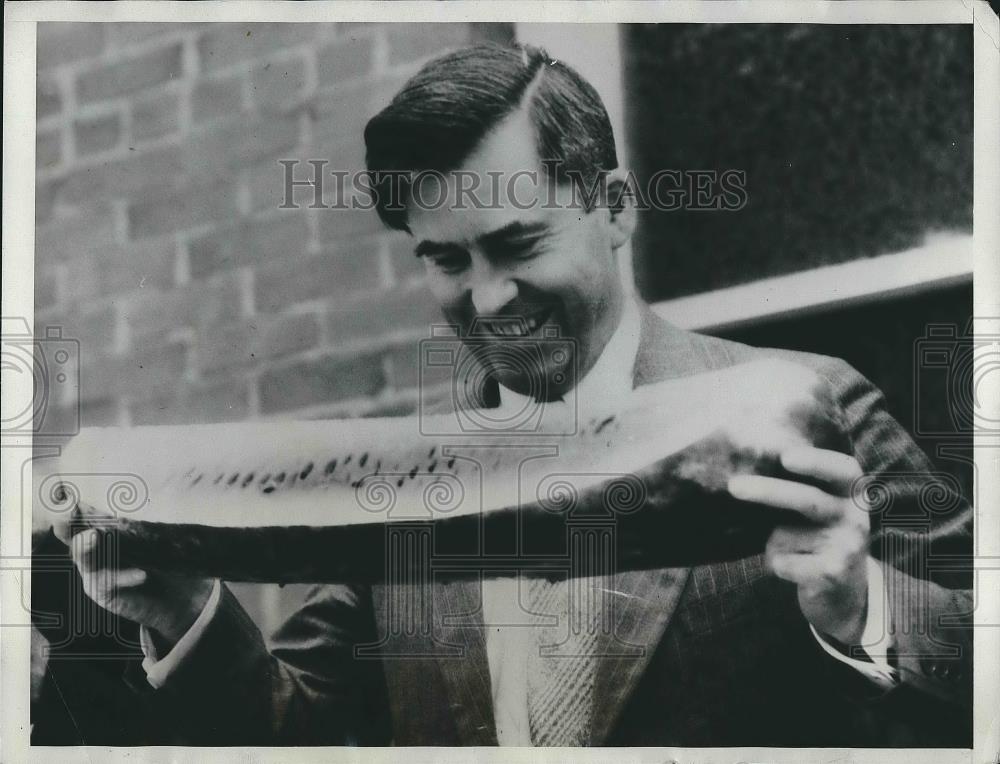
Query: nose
<point>492,292</point>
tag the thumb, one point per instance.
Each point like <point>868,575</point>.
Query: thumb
<point>82,549</point>
<point>82,516</point>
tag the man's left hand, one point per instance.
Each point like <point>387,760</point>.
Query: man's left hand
<point>827,557</point>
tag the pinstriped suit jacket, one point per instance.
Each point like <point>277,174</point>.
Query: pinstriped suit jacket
<point>726,657</point>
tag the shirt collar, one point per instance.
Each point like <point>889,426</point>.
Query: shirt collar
<point>610,378</point>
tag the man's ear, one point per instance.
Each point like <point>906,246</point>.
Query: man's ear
<point>621,209</point>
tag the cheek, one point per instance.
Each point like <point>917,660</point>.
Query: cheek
<point>587,275</point>
<point>590,286</point>
<point>443,287</point>
<point>449,295</point>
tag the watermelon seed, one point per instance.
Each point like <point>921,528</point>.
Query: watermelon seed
<point>399,483</point>
<point>280,477</point>
<point>431,454</point>
<point>432,466</point>
<point>233,479</point>
<point>306,470</point>
<point>363,460</point>
<point>195,481</point>
<point>247,480</point>
<point>216,481</point>
<point>267,476</point>
<point>268,489</point>
<point>451,462</point>
<point>330,467</point>
<point>413,473</point>
<point>348,459</point>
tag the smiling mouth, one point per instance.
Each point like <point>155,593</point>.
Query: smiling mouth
<point>516,326</point>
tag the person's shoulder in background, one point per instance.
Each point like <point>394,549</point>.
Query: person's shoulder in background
<point>713,353</point>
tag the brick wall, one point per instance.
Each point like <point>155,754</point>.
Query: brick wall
<point>160,244</point>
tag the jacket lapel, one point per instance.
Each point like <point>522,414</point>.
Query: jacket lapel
<point>644,600</point>
<point>459,621</point>
<point>666,352</point>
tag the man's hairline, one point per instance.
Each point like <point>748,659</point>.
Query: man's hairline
<point>521,109</point>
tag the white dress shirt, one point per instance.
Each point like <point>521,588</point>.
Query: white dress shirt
<point>508,632</point>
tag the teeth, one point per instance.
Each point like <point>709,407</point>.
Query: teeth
<point>511,328</point>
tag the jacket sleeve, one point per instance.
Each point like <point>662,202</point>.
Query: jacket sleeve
<point>305,688</point>
<point>922,537</point>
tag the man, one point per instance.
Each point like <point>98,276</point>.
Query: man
<point>756,652</point>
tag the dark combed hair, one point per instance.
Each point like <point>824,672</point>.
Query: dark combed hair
<point>443,112</point>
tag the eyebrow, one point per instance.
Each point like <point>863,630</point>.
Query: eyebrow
<point>513,230</point>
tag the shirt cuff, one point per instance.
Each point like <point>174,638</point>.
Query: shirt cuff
<point>158,669</point>
<point>876,640</point>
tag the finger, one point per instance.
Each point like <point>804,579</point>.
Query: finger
<point>129,578</point>
<point>105,585</point>
<point>91,553</point>
<point>789,540</point>
<point>836,470</point>
<point>65,525</point>
<point>70,524</point>
<point>829,540</point>
<point>804,568</point>
<point>98,581</point>
<point>83,548</point>
<point>810,502</point>
<point>87,516</point>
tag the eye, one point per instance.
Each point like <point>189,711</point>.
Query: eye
<point>521,249</point>
<point>524,250</point>
<point>450,262</point>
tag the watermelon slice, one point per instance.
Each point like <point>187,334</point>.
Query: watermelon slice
<point>343,500</point>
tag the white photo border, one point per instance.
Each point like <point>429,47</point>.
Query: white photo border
<point>18,276</point>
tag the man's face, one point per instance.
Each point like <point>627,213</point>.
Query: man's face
<point>526,254</point>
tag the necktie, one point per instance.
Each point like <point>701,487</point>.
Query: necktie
<point>562,662</point>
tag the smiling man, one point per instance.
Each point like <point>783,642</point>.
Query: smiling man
<point>829,638</point>
<point>506,233</point>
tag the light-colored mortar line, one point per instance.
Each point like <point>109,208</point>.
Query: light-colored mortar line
<point>380,52</point>
<point>246,287</point>
<point>387,272</point>
<point>182,260</point>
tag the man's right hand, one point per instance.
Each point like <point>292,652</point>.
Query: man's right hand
<point>167,605</point>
